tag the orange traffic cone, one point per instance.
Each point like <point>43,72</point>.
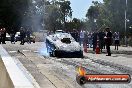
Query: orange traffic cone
<point>97,50</point>
<point>85,48</point>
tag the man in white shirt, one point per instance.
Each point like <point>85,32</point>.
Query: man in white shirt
<point>116,38</point>
<point>81,37</point>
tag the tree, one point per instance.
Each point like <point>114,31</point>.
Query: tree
<point>93,14</point>
<point>76,24</point>
<point>12,12</point>
<point>52,19</point>
<point>109,13</point>
<point>65,10</point>
<point>57,13</point>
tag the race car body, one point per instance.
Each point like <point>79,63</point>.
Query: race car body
<point>63,45</point>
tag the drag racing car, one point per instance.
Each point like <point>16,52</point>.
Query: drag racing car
<point>63,45</point>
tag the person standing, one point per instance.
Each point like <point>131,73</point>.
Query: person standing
<point>108,40</point>
<point>22,35</point>
<point>90,40</point>
<point>81,37</point>
<point>101,40</point>
<point>12,34</point>
<point>94,35</point>
<point>116,39</point>
<point>104,34</point>
<point>0,36</point>
<point>28,33</point>
<point>86,38</point>
<point>73,34</point>
<point>3,35</point>
<point>77,34</point>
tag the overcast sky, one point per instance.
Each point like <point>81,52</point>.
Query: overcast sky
<point>80,7</point>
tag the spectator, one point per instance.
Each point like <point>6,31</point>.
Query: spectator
<point>28,33</point>
<point>81,37</point>
<point>3,35</point>
<point>108,41</point>
<point>12,34</point>
<point>77,34</point>
<point>0,36</point>
<point>86,38</point>
<point>101,40</point>
<point>22,35</point>
<point>90,40</point>
<point>116,39</point>
<point>94,35</point>
<point>73,34</point>
<point>104,45</point>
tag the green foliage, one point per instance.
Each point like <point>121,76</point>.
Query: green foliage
<point>52,18</point>
<point>11,13</point>
<point>76,24</point>
<point>57,14</point>
<point>93,12</point>
<point>65,11</point>
<point>16,13</point>
<point>65,8</point>
<point>110,13</point>
<point>93,15</point>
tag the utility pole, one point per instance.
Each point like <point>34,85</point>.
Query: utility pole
<point>125,23</point>
<point>43,24</point>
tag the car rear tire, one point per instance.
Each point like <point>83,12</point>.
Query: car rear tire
<point>80,54</point>
<point>52,53</point>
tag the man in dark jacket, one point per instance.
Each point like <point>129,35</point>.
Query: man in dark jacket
<point>94,35</point>
<point>28,34</point>
<point>74,34</point>
<point>101,35</point>
<point>108,41</point>
<point>0,35</point>
<point>12,34</point>
<point>22,35</point>
<point>3,36</point>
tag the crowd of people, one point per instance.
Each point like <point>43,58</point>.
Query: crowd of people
<point>24,33</point>
<point>105,38</point>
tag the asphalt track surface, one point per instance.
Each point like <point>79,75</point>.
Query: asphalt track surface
<point>52,72</point>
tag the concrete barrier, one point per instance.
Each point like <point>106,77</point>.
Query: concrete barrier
<point>10,74</point>
<point>5,81</point>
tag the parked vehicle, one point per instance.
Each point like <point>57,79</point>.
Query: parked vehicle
<point>17,37</point>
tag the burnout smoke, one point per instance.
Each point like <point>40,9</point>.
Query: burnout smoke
<point>35,15</point>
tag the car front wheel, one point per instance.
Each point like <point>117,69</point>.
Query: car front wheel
<point>52,53</point>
